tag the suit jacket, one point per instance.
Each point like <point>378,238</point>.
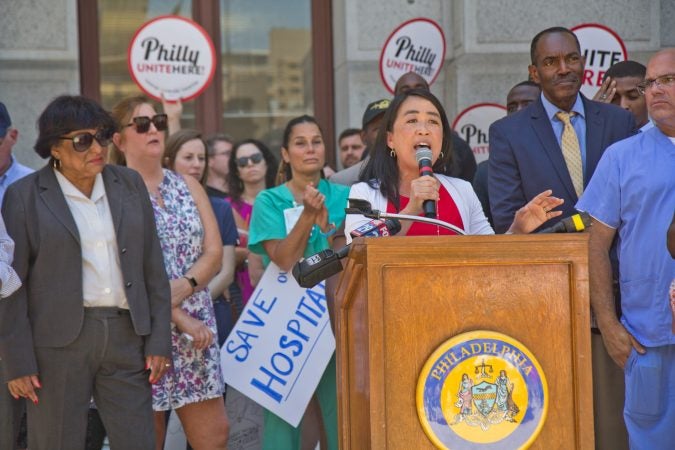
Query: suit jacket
<point>526,159</point>
<point>48,310</point>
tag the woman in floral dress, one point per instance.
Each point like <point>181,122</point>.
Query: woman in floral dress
<point>192,250</point>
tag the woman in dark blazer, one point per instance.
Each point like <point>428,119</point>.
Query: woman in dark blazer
<point>92,317</point>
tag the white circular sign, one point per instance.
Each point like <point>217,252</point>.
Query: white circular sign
<point>602,48</point>
<point>473,125</point>
<point>173,56</point>
<point>417,45</point>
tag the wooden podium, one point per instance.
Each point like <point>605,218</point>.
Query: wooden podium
<point>401,297</point>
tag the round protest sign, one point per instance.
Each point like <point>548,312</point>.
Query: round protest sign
<point>173,56</point>
<point>417,45</point>
<point>602,47</point>
<point>473,125</point>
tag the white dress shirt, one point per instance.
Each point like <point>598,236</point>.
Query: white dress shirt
<point>9,281</point>
<point>102,282</point>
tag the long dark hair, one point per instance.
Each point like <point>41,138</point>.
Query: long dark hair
<point>234,182</point>
<point>284,173</point>
<point>381,172</point>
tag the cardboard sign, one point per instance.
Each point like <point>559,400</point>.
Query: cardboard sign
<point>280,346</point>
<point>473,125</point>
<point>602,47</point>
<point>417,45</point>
<point>171,55</point>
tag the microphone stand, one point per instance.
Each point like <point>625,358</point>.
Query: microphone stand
<point>375,214</point>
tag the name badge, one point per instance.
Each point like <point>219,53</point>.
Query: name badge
<point>291,216</point>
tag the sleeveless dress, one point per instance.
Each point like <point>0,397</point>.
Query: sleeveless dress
<point>195,375</point>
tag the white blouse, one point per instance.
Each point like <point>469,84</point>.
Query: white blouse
<point>102,281</point>
<point>462,193</point>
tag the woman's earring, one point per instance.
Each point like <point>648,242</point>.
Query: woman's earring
<point>392,153</point>
<point>440,156</point>
<point>56,163</point>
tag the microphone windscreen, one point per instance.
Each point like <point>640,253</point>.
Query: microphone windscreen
<point>422,153</point>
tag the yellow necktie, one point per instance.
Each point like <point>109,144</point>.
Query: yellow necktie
<point>571,152</point>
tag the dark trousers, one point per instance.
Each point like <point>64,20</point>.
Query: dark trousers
<point>106,361</point>
<point>10,417</point>
<point>608,398</point>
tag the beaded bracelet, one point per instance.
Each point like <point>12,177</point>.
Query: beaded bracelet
<point>330,232</point>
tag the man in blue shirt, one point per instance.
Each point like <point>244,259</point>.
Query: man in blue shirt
<point>10,169</point>
<point>633,194</point>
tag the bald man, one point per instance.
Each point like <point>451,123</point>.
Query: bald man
<point>632,195</point>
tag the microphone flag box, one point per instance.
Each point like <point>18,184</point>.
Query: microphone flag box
<point>279,348</point>
<point>374,228</point>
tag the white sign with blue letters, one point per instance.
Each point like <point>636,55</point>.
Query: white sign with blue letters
<point>280,346</point>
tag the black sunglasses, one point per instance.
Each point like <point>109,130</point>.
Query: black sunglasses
<point>143,123</point>
<point>255,158</point>
<point>82,141</point>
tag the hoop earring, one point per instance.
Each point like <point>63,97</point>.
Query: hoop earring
<point>392,153</point>
<point>440,156</point>
<point>56,163</point>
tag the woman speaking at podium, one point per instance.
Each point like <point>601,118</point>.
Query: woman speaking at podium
<point>391,180</point>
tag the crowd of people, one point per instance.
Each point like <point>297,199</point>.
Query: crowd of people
<point>126,260</point>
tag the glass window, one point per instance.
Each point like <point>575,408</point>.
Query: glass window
<point>266,66</point>
<point>118,22</point>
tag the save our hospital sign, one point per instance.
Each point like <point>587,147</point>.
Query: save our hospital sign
<point>417,45</point>
<point>602,47</point>
<point>171,56</point>
<point>281,345</point>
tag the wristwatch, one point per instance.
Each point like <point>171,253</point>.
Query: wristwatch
<point>192,281</point>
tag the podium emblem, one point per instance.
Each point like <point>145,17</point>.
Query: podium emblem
<point>482,390</point>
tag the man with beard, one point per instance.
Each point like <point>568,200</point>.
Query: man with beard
<point>556,143</point>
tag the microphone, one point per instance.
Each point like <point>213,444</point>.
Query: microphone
<point>572,224</point>
<point>377,228</point>
<point>423,157</point>
<point>311,270</point>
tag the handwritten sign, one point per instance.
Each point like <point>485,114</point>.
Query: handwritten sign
<point>280,346</point>
<point>171,55</point>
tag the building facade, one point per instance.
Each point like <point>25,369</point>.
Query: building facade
<point>279,59</point>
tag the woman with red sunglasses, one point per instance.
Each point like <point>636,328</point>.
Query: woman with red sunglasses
<point>192,248</point>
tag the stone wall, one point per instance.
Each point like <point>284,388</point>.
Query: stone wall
<point>487,43</point>
<point>38,61</point>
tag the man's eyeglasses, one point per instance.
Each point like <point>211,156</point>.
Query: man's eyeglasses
<point>256,158</point>
<point>82,141</point>
<point>663,81</point>
<point>143,123</point>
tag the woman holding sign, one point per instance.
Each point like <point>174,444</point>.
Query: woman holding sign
<point>299,218</point>
<point>192,250</point>
<point>391,180</point>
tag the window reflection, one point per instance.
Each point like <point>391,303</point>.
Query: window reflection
<point>266,66</point>
<point>118,21</point>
